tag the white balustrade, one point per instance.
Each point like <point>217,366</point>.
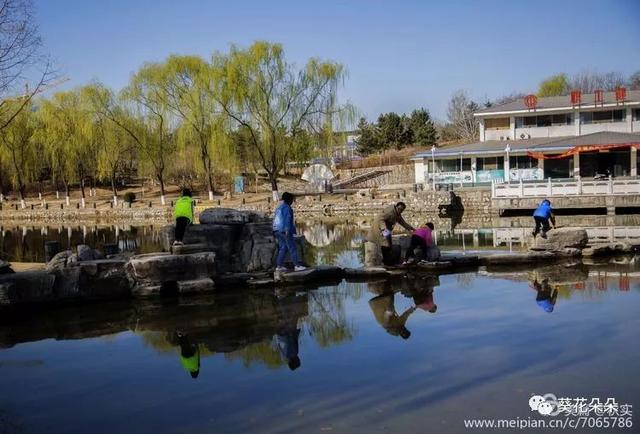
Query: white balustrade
<point>559,188</point>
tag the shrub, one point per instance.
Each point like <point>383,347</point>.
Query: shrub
<point>129,197</point>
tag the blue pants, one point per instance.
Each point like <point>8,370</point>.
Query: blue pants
<point>286,244</point>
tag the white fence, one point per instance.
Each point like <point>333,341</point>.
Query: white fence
<point>576,187</point>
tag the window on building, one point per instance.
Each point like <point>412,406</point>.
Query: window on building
<point>562,119</point>
<point>636,114</point>
<point>454,165</point>
<point>497,124</point>
<point>605,116</point>
<point>522,162</point>
<point>544,120</point>
<point>490,163</point>
<point>559,168</point>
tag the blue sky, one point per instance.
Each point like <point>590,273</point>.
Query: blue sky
<point>400,54</point>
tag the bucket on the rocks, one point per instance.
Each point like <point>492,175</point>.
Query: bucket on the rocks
<point>51,248</point>
<point>111,249</point>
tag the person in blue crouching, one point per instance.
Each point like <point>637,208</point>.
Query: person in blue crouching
<point>542,215</point>
<point>284,229</point>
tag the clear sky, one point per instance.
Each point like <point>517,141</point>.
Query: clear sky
<point>400,54</point>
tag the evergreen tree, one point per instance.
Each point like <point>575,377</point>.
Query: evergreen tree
<point>368,141</point>
<point>422,128</point>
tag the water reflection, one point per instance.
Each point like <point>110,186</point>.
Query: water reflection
<point>545,295</point>
<point>21,243</point>
<point>329,242</point>
<point>189,354</point>
<point>304,360</point>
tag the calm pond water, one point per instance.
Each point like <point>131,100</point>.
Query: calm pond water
<point>329,359</point>
<point>329,242</point>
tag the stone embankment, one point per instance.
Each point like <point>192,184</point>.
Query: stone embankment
<point>363,202</point>
<point>232,248</point>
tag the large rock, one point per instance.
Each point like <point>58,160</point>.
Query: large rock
<point>86,253</point>
<point>516,258</point>
<point>608,249</point>
<point>230,216</point>
<point>320,272</point>
<point>257,248</point>
<point>59,261</point>
<point>155,272</point>
<point>103,279</point>
<point>27,287</point>
<point>372,255</point>
<point>220,239</point>
<point>5,267</point>
<point>559,239</point>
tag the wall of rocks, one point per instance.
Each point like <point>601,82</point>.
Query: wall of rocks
<point>399,174</point>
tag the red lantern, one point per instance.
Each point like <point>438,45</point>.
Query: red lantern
<point>621,94</point>
<point>531,101</point>
<point>598,95</point>
<point>576,97</point>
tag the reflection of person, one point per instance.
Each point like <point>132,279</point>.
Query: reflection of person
<point>424,301</point>
<point>384,311</point>
<point>546,296</point>
<point>383,225</point>
<point>423,238</point>
<point>284,229</point>
<point>288,332</point>
<point>189,355</point>
<point>183,213</point>
<point>542,215</point>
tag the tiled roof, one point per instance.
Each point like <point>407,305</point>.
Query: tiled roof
<point>557,102</point>
<point>538,144</point>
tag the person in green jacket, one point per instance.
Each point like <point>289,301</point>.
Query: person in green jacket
<point>183,213</point>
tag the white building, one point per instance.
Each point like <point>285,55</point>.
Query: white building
<point>537,138</point>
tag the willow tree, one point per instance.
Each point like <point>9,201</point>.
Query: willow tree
<point>187,82</point>
<point>150,123</point>
<point>19,145</point>
<point>67,136</point>
<point>112,143</point>
<point>275,101</point>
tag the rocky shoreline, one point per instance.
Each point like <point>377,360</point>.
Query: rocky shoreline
<point>231,249</point>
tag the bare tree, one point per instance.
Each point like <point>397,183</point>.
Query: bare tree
<point>20,58</point>
<point>505,99</point>
<point>460,114</point>
<point>589,81</point>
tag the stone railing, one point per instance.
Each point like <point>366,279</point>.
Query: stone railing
<point>576,187</point>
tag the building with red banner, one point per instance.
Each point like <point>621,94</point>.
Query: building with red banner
<point>532,139</point>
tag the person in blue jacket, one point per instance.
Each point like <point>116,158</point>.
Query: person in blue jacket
<point>542,215</point>
<point>284,229</point>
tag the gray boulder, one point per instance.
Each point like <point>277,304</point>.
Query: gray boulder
<point>607,249</point>
<point>86,253</point>
<point>320,272</point>
<point>257,248</point>
<point>230,216</point>
<point>559,239</point>
<point>372,255</point>
<point>27,287</point>
<point>5,267</point>
<point>59,261</point>
<point>220,239</point>
<point>195,286</point>
<point>150,273</point>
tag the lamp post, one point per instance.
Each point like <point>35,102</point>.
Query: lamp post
<point>433,167</point>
